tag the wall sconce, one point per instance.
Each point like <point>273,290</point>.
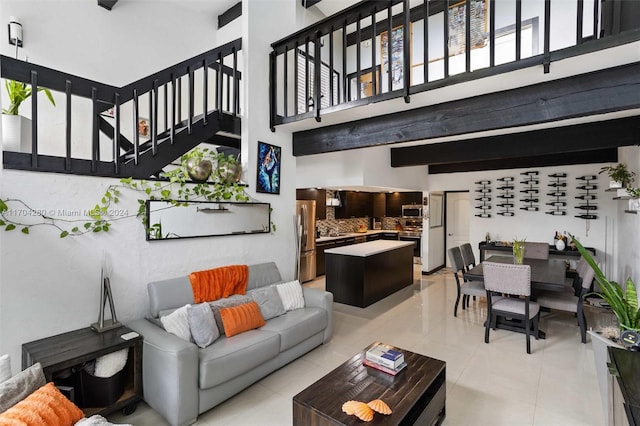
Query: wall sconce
<point>15,32</point>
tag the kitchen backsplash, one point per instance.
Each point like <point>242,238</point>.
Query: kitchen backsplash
<point>349,225</point>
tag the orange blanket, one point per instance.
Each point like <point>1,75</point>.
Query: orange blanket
<point>213,284</point>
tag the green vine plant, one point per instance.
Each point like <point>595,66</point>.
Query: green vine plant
<point>176,188</point>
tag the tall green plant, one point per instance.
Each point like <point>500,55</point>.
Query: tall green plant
<point>623,302</point>
<point>20,92</point>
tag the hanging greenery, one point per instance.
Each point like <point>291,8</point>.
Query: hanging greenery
<point>176,188</point>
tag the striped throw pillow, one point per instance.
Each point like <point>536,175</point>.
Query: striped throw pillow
<point>291,295</point>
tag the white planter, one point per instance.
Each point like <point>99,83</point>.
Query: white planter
<point>614,184</point>
<point>16,133</point>
<point>622,192</point>
<point>634,204</point>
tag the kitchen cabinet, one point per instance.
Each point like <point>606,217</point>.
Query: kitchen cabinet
<point>320,197</point>
<point>320,257</point>
<point>395,201</point>
<point>354,204</point>
<point>389,236</point>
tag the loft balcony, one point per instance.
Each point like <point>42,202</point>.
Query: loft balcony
<point>434,43</point>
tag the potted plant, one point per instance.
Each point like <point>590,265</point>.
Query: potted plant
<point>621,177</point>
<point>634,201</point>
<point>16,128</point>
<point>624,303</point>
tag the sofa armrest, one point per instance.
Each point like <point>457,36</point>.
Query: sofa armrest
<point>169,373</point>
<point>321,299</point>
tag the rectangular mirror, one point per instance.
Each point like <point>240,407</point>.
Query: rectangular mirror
<point>206,219</point>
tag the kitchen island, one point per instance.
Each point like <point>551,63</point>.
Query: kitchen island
<point>362,274</point>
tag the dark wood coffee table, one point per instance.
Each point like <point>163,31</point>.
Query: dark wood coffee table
<point>416,394</point>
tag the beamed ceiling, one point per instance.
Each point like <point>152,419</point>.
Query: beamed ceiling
<point>599,92</point>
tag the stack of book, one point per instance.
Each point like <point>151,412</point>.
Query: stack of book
<point>384,358</point>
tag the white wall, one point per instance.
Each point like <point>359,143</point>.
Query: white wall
<point>50,285</point>
<point>538,226</point>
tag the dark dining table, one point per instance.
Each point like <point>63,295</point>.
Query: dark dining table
<point>546,274</point>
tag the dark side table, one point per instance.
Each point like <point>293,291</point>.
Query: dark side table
<point>68,352</point>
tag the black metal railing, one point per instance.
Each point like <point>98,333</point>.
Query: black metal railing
<point>379,50</point>
<point>170,113</point>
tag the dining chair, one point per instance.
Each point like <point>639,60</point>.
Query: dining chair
<point>570,302</point>
<point>536,250</point>
<point>467,256</point>
<point>465,288</point>
<point>502,280</point>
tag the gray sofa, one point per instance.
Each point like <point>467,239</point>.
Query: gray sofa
<point>180,380</point>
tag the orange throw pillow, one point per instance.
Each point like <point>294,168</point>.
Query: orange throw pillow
<point>241,318</point>
<point>47,406</point>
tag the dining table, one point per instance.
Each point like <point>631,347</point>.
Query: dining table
<point>546,274</point>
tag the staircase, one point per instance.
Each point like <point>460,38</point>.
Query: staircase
<point>207,110</point>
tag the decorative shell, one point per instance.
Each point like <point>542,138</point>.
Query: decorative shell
<point>379,406</point>
<point>364,412</point>
<point>349,407</point>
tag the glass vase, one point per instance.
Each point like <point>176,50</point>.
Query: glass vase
<point>518,252</point>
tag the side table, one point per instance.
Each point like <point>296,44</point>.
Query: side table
<point>59,354</point>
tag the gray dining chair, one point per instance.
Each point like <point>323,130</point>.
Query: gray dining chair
<point>571,302</point>
<point>467,256</point>
<point>502,280</point>
<point>536,250</point>
<point>465,288</point>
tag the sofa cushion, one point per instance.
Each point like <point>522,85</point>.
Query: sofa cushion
<point>291,295</point>
<point>177,323</point>
<point>230,357</point>
<point>202,325</point>
<point>297,326</point>
<point>268,300</point>
<point>46,406</point>
<point>241,318</point>
<point>227,302</point>
<point>20,386</point>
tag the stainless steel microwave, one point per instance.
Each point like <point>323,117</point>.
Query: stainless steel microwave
<point>412,211</point>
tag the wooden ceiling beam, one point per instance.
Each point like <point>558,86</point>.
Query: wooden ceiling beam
<point>556,140</point>
<point>107,4</point>
<point>598,92</point>
<point>608,155</point>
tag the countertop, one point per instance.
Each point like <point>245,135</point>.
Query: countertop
<point>354,234</point>
<point>369,249</point>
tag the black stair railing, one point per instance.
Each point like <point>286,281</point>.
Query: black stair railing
<point>346,60</point>
<point>168,118</point>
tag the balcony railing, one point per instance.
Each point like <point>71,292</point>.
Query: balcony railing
<point>346,60</point>
<point>134,130</point>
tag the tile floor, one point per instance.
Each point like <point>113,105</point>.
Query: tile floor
<point>487,384</point>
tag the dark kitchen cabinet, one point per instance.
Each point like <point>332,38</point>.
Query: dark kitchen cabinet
<point>395,201</point>
<point>320,257</point>
<point>354,204</point>
<point>319,195</point>
<point>389,236</point>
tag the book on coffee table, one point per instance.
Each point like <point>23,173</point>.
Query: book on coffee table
<point>385,355</point>
<point>392,371</point>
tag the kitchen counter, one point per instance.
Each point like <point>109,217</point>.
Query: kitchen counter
<point>362,274</point>
<point>369,249</point>
<point>354,234</point>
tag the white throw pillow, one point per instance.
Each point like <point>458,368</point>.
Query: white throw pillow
<point>110,364</point>
<point>5,367</point>
<point>177,323</point>
<point>291,295</point>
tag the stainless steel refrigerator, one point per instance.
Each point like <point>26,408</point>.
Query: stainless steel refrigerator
<point>306,239</point>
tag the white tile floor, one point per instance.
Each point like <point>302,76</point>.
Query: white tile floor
<point>487,384</point>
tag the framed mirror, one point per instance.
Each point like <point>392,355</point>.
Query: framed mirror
<point>206,219</point>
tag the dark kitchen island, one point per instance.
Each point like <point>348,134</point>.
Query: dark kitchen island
<point>362,274</point>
